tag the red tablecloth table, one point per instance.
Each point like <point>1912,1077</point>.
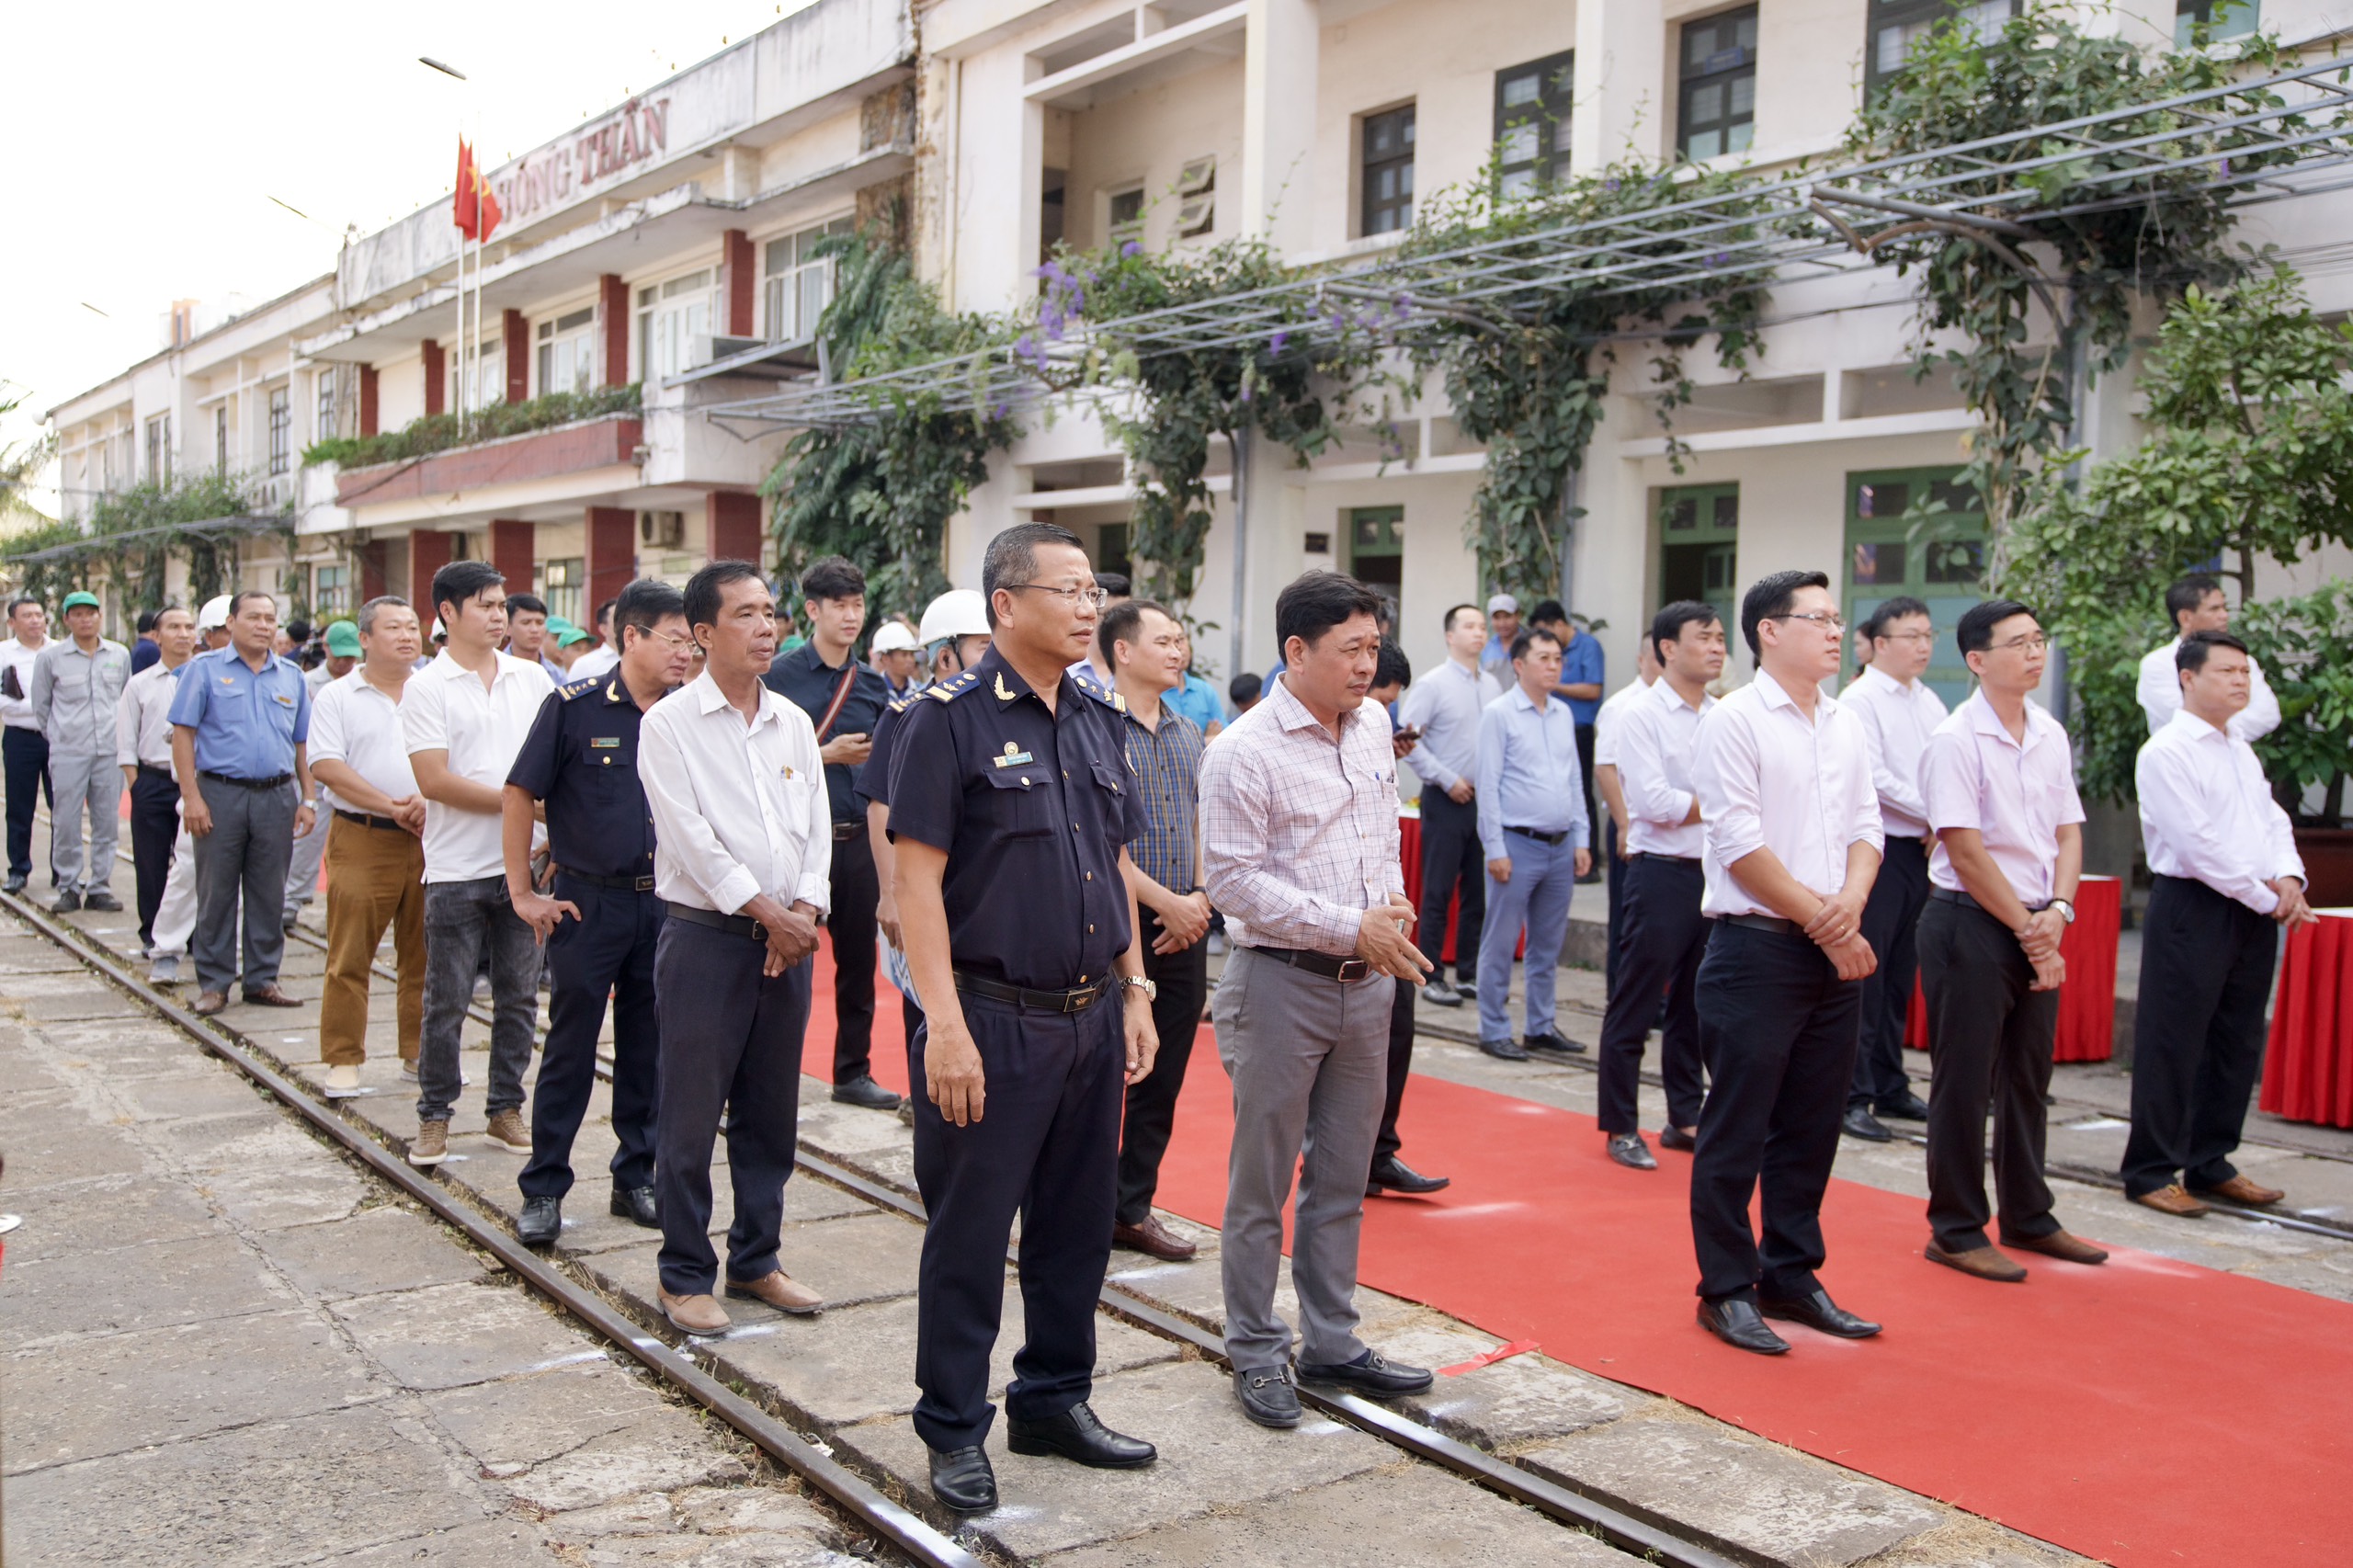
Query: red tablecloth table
<point>2308,1072</point>
<point>1409,849</point>
<point>2087,998</point>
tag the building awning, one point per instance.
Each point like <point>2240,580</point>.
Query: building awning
<point>246,527</point>
<point>800,359</point>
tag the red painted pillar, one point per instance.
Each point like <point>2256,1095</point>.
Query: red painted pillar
<point>518,335</point>
<point>612,555</point>
<point>612,310</point>
<point>429,551</point>
<point>368,401</point>
<point>736,283</point>
<point>436,384</point>
<point>510,551</point>
<point>734,526</point>
<point>372,563</point>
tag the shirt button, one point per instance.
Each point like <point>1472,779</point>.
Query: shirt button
<point>1090,876</point>
<point>1073,827</point>
<point>1090,930</point>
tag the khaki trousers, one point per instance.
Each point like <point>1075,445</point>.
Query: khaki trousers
<point>375,878</point>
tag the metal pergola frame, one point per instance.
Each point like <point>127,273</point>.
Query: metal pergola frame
<point>2296,125</point>
<point>245,526</point>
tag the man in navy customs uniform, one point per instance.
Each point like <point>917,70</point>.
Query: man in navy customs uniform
<point>580,763</point>
<point>1011,803</point>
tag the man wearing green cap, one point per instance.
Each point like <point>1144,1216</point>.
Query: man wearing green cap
<point>342,641</point>
<point>76,685</point>
<point>551,648</point>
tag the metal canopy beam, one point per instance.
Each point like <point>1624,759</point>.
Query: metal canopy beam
<point>2296,126</point>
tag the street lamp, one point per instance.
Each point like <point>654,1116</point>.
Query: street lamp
<point>445,70</point>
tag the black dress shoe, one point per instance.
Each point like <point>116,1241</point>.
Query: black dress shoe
<point>864,1092</point>
<point>1438,993</point>
<point>962,1481</point>
<point>638,1206</point>
<point>1268,1396</point>
<point>1628,1150</point>
<point>67,903</point>
<point>1673,1137</point>
<point>1860,1123</point>
<point>541,1222</point>
<point>103,901</point>
<point>1077,1436</point>
<point>1394,1174</point>
<point>1505,1049</point>
<point>1551,1043</point>
<point>14,884</point>
<point>1905,1107</point>
<point>1370,1375</point>
<point>1819,1311</point>
<point>1739,1324</point>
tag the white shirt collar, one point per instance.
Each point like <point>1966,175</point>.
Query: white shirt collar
<point>710,700</point>
<point>2196,729</point>
<point>1880,680</point>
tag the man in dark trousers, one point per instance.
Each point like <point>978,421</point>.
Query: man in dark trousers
<point>580,763</point>
<point>1391,677</point>
<point>844,698</point>
<point>144,750</point>
<point>1010,806</point>
<point>1440,722</point>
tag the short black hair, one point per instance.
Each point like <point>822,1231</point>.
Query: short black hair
<point>705,589</point>
<point>1454,611</point>
<point>1548,612</point>
<point>19,602</point>
<point>526,604</point>
<point>2199,645</point>
<point>1528,637</point>
<point>1114,585</point>
<point>455,584</point>
<point>1896,609</point>
<point>237,600</point>
<point>1667,625</point>
<point>831,578</point>
<point>1012,558</point>
<point>146,621</point>
<point>1393,668</point>
<point>298,631</point>
<point>605,608</point>
<point>646,604</point>
<point>1244,687</point>
<point>1314,602</point>
<point>1122,622</point>
<point>1975,634</point>
<point>2190,592</point>
<point>1771,597</point>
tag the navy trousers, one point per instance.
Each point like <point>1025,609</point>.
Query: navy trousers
<point>731,1041</point>
<point>2198,1034</point>
<point>608,951</point>
<point>1891,924</point>
<point>1452,860</point>
<point>1046,1147</point>
<point>26,753</point>
<point>1660,944</point>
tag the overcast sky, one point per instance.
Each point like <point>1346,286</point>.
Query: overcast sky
<point>155,135</point>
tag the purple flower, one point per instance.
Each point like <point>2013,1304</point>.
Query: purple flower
<point>1275,343</point>
<point>1133,247</point>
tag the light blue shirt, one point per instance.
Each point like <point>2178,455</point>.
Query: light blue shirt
<point>1198,700</point>
<point>248,721</point>
<point>1527,771</point>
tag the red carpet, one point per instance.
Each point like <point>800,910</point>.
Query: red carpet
<point>2146,1412</point>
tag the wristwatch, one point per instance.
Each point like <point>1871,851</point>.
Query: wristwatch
<point>1151,992</point>
<point>2066,909</point>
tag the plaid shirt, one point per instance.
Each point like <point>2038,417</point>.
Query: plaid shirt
<point>1298,832</point>
<point>1167,762</point>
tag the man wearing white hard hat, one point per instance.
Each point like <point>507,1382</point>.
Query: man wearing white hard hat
<point>212,624</point>
<point>892,654</point>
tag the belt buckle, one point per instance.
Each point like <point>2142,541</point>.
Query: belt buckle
<point>644,885</point>
<point>1079,1001</point>
<point>1353,969</point>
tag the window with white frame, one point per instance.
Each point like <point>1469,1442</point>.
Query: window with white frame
<point>1532,124</point>
<point>159,449</point>
<point>670,317</point>
<point>1896,25</point>
<point>797,283</point>
<point>323,383</point>
<point>330,590</point>
<point>281,430</point>
<point>1387,172</point>
<point>1718,108</point>
<point>559,585</point>
<point>1125,216</point>
<point>2222,18</point>
<point>477,385</point>
<point>568,352</point>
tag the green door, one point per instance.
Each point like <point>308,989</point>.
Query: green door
<point>1376,546</point>
<point>1939,559</point>
<point>1698,545</point>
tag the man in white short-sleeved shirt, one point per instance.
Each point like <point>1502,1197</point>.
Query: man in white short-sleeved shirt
<point>2196,603</point>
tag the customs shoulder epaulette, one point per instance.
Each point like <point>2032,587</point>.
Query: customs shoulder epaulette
<point>580,688</point>
<point>954,687</point>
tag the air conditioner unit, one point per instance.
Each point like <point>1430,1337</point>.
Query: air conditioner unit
<point>661,530</point>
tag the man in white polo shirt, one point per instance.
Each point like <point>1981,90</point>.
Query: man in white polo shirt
<point>465,715</point>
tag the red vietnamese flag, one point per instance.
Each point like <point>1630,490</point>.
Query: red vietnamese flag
<point>466,210</point>
<point>486,206</point>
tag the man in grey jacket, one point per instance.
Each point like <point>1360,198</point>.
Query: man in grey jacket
<point>76,683</point>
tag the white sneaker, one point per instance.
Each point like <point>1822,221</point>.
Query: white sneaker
<point>408,1072</point>
<point>342,1082</point>
<point>164,970</point>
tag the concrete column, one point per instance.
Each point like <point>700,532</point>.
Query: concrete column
<point>366,400</point>
<point>510,551</point>
<point>429,551</point>
<point>612,553</point>
<point>1281,42</point>
<point>515,336</point>
<point>1001,181</point>
<point>612,321</point>
<point>436,381</point>
<point>1621,102</point>
<point>737,283</point>
<point>735,533</point>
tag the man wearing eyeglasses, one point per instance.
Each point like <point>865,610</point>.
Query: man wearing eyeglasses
<point>1899,712</point>
<point>2000,786</point>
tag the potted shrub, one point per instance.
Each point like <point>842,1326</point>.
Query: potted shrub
<point>2306,648</point>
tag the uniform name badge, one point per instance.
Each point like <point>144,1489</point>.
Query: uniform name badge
<point>1014,755</point>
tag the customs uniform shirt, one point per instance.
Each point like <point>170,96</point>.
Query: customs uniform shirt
<point>248,721</point>
<point>581,760</point>
<point>1032,808</point>
<point>874,781</point>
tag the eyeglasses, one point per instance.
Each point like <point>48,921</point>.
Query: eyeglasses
<point>1071,596</point>
<point>1920,637</point>
<point>1832,624</point>
<point>672,639</point>
<point>2032,642</point>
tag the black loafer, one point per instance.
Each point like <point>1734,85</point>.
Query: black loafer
<point>962,1481</point>
<point>1905,1107</point>
<point>1438,993</point>
<point>1505,1049</point>
<point>1628,1150</point>
<point>1268,1396</point>
<point>1370,1375</point>
<point>14,884</point>
<point>1739,1324</point>
<point>1551,1043</point>
<point>1393,1174</point>
<point>638,1206</point>
<point>1078,1436</point>
<point>1818,1312</point>
<point>864,1092</point>
<point>1860,1123</point>
<point>541,1221</point>
<point>1674,1137</point>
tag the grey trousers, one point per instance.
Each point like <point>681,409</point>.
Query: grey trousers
<point>302,865</point>
<point>253,831</point>
<point>464,921</point>
<point>77,778</point>
<point>1309,1057</point>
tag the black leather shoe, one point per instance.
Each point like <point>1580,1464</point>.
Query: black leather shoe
<point>1739,1324</point>
<point>1370,1375</point>
<point>864,1092</point>
<point>1505,1049</point>
<point>1905,1107</point>
<point>103,901</point>
<point>14,884</point>
<point>67,903</point>
<point>541,1221</point>
<point>638,1206</point>
<point>1819,1311</point>
<point>1860,1123</point>
<point>1628,1150</point>
<point>1078,1436</point>
<point>961,1479</point>
<point>1551,1043</point>
<point>1393,1174</point>
<point>1268,1396</point>
<point>1438,993</point>
<point>1673,1137</point>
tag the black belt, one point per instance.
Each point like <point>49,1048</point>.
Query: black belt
<point>245,783</point>
<point>1076,1001</point>
<point>1670,860</point>
<point>1552,838</point>
<point>1947,895</point>
<point>364,820</point>
<point>1330,966</point>
<point>735,925</point>
<point>153,771</point>
<point>1773,923</point>
<point>625,884</point>
<point>845,831</point>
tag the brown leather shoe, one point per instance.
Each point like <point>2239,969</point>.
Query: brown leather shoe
<point>2174,1200</point>
<point>1980,1263</point>
<point>208,1003</point>
<point>431,1144</point>
<point>2059,1245</point>
<point>270,995</point>
<point>2239,1189</point>
<point>777,1290</point>
<point>700,1315</point>
<point>1155,1238</point>
<point>508,1131</point>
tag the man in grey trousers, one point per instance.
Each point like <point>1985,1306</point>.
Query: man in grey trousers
<point>1298,824</point>
<point>76,683</point>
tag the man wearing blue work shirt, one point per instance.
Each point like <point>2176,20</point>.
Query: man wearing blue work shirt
<point>241,725</point>
<point>1532,827</point>
<point>1584,672</point>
